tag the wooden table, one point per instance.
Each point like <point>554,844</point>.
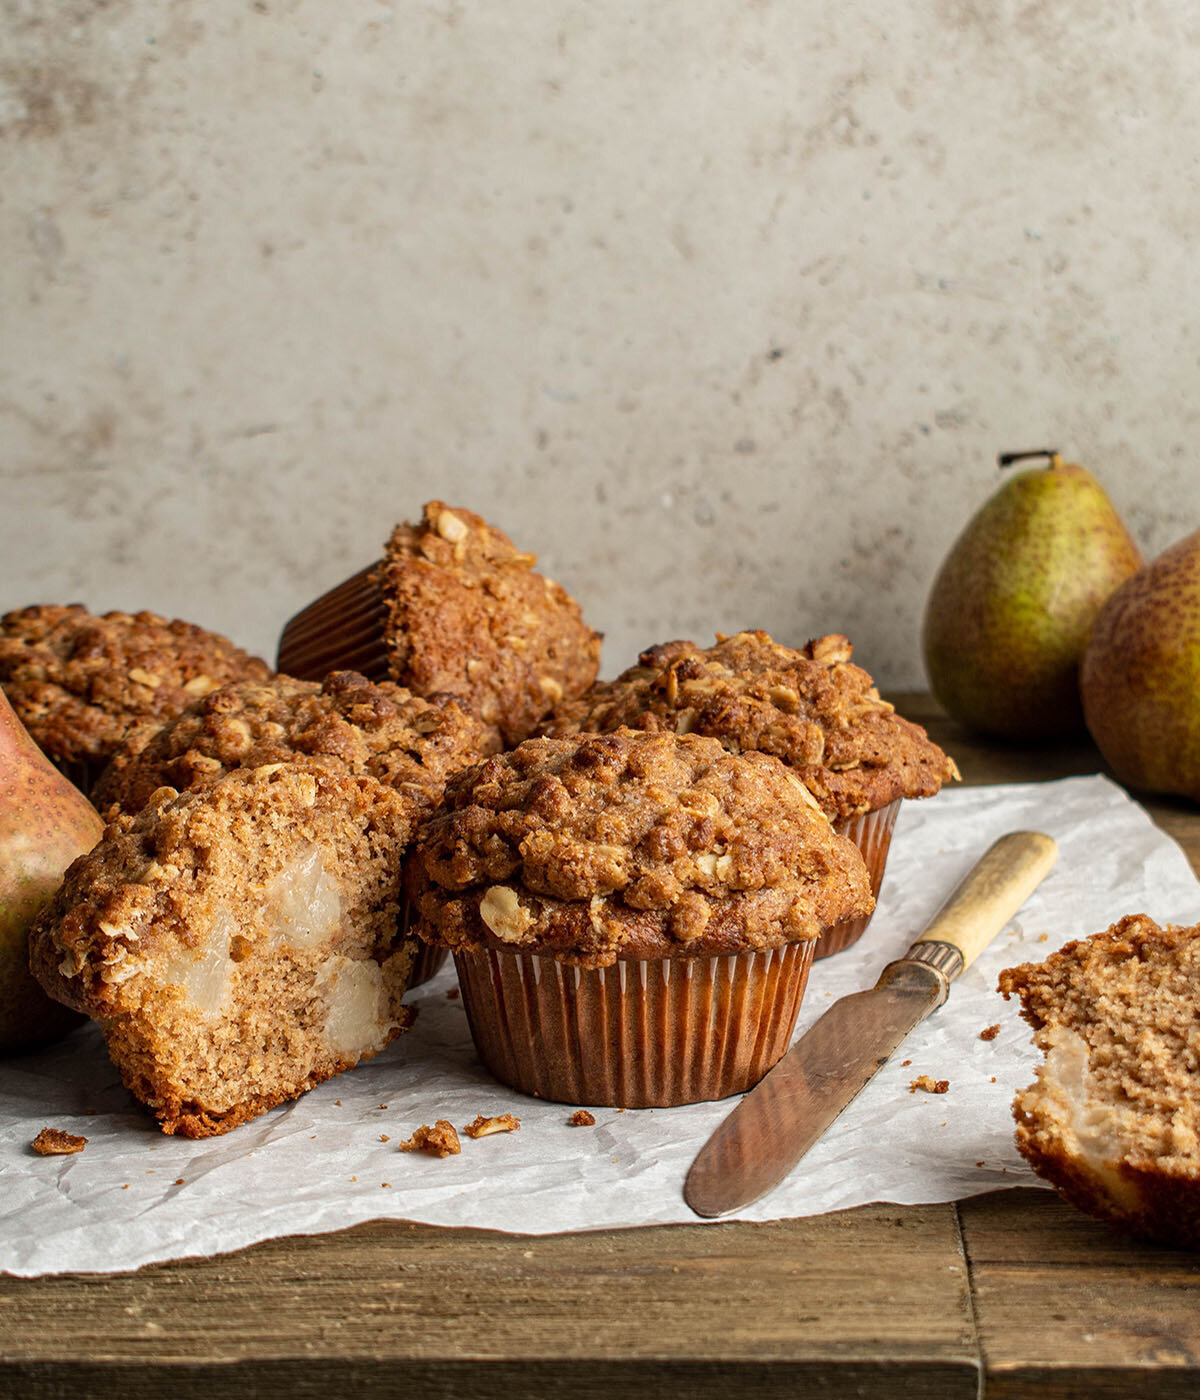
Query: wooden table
<point>1008,1295</point>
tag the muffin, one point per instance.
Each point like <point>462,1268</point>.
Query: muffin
<point>85,686</point>
<point>453,607</point>
<point>1113,1117</point>
<point>632,915</point>
<point>410,744</point>
<point>238,943</point>
<point>813,709</point>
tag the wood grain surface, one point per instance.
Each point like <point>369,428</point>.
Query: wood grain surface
<point>1009,1295</point>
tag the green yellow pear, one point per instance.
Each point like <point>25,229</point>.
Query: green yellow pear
<point>1013,605</point>
<point>1141,675</point>
<point>45,823</point>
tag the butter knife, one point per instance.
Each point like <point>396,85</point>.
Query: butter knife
<point>776,1123</point>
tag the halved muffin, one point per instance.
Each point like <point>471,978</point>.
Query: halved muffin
<point>1113,1117</point>
<point>239,942</point>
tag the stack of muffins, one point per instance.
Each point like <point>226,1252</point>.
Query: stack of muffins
<point>633,876</point>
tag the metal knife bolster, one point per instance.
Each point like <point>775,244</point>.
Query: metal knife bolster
<point>928,963</point>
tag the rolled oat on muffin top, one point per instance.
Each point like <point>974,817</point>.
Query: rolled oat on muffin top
<point>85,685</point>
<point>812,708</point>
<point>631,845</point>
<point>410,744</point>
<point>453,607</point>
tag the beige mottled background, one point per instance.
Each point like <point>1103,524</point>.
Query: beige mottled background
<point>721,306</point>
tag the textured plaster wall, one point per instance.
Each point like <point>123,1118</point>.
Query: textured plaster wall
<point>721,306</point>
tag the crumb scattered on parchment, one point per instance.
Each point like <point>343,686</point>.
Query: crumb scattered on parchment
<point>383,1105</point>
<point>484,1127</point>
<point>1042,937</point>
<point>383,1137</point>
<point>990,1032</point>
<point>387,1185</point>
<point>439,1141</point>
<point>581,1118</point>
<point>992,1080</point>
<point>904,1064</point>
<point>53,1142</point>
<point>928,1084</point>
<point>979,1164</point>
<point>452,994</point>
<point>179,1181</point>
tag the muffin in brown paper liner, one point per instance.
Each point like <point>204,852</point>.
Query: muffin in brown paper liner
<point>640,1033</point>
<point>453,607</point>
<point>633,916</point>
<point>871,832</point>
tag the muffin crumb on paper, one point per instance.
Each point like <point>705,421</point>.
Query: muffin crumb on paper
<point>928,1085</point>
<point>485,1127</point>
<point>439,1141</point>
<point>581,1118</point>
<point>53,1142</point>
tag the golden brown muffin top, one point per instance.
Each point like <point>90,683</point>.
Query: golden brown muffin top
<point>409,743</point>
<point>632,845</point>
<point>265,853</point>
<point>83,685</point>
<point>812,708</point>
<point>467,615</point>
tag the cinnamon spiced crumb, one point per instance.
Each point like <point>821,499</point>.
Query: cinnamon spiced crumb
<point>990,1032</point>
<point>581,1118</point>
<point>53,1142</point>
<point>483,1127</point>
<point>439,1141</point>
<point>928,1085</point>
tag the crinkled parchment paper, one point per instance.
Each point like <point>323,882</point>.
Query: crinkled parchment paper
<point>331,1159</point>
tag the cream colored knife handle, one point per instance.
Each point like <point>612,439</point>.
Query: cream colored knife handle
<point>1004,878</point>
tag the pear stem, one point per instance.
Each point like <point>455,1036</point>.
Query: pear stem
<point>1006,459</point>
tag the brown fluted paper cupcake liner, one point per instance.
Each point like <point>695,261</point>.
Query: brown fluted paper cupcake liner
<point>342,631</point>
<point>428,959</point>
<point>871,832</point>
<point>639,1034</point>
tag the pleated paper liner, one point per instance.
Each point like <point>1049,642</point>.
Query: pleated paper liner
<point>871,832</point>
<point>427,959</point>
<point>645,1033</point>
<point>341,631</point>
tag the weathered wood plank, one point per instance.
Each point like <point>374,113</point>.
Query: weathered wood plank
<point>1066,1306</point>
<point>839,1305</point>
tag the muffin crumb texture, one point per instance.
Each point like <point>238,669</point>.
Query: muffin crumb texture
<point>439,1141</point>
<point>812,708</point>
<point>1113,1117</point>
<point>467,615</point>
<point>53,1142</point>
<point>928,1085</point>
<point>485,1127</point>
<point>237,943</point>
<point>84,686</point>
<point>581,1118</point>
<point>408,743</point>
<point>631,845</point>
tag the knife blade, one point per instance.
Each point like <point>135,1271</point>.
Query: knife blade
<point>775,1124</point>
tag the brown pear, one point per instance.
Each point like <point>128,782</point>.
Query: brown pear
<point>45,823</point>
<point>1141,675</point>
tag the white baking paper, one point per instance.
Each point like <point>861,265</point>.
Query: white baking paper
<point>331,1159</point>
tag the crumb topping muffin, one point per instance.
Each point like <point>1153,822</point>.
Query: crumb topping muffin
<point>85,685</point>
<point>812,708</point>
<point>408,743</point>
<point>238,943</point>
<point>467,614</point>
<point>631,845</point>
<point>1113,1118</point>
